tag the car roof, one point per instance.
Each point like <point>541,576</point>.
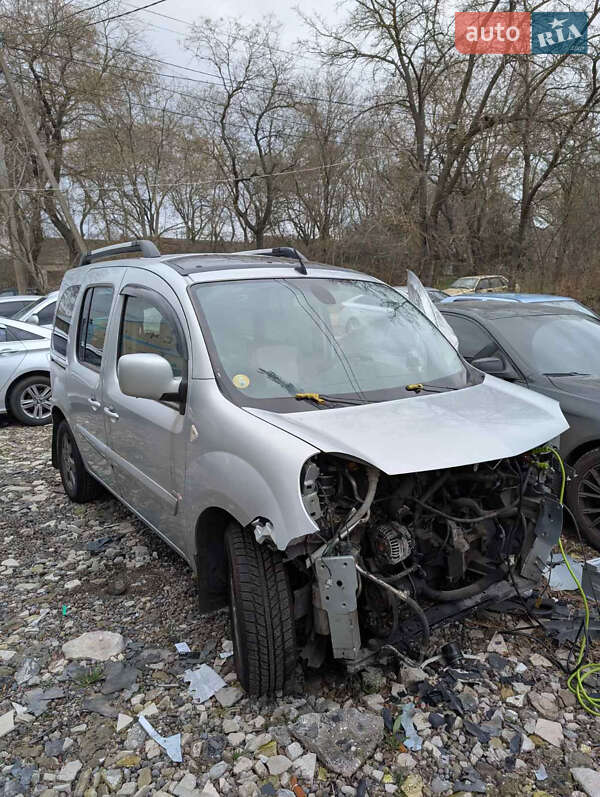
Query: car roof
<point>515,297</point>
<point>37,330</point>
<point>200,266</point>
<point>478,276</point>
<point>21,298</point>
<point>506,309</point>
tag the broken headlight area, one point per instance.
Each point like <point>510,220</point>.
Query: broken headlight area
<point>398,555</point>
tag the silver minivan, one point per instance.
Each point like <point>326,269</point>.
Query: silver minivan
<point>344,490</point>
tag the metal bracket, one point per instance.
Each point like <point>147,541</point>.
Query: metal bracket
<point>338,582</point>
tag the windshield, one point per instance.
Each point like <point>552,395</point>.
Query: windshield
<point>270,339</point>
<point>555,344</point>
<point>29,308</point>
<point>465,282</point>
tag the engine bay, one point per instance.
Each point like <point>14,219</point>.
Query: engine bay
<point>420,540</point>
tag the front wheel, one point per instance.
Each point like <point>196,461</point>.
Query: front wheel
<point>78,484</point>
<point>583,496</point>
<point>30,400</point>
<point>262,615</point>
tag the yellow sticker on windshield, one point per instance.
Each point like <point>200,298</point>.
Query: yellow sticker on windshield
<point>241,381</point>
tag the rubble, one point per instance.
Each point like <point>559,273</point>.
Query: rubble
<point>492,724</point>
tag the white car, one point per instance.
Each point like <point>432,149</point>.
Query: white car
<point>25,390</point>
<point>41,313</point>
<point>11,306</point>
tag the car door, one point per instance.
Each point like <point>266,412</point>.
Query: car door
<point>85,387</point>
<point>148,438</point>
<point>12,352</point>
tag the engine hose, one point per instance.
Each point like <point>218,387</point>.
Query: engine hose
<point>402,596</point>
<point>448,595</point>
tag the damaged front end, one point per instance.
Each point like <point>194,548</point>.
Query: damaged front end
<point>396,556</point>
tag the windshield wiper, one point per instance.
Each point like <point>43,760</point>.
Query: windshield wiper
<point>323,398</point>
<point>420,386</point>
<point>568,373</point>
<point>279,380</point>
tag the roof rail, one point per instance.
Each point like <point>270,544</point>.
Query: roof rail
<point>280,251</point>
<point>146,249</point>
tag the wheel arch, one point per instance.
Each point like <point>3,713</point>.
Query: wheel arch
<point>25,375</point>
<point>210,557</point>
<point>583,448</point>
<point>57,416</point>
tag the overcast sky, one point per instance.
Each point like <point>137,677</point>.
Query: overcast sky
<point>163,34</point>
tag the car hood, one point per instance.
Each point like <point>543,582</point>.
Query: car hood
<point>489,421</point>
<point>457,291</point>
<point>585,387</point>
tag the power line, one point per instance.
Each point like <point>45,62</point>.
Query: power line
<point>287,135</point>
<point>225,180</point>
<point>125,13</point>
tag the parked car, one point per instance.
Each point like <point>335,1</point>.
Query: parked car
<point>25,372</point>
<point>9,292</point>
<point>434,294</point>
<point>566,302</point>
<point>329,485</point>
<point>485,283</point>
<point>10,306</point>
<point>41,313</point>
<point>555,352</point>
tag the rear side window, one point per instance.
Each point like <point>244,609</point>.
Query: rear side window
<point>92,326</point>
<point>22,334</point>
<point>9,309</point>
<point>63,319</point>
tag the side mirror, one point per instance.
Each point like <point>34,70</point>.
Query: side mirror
<point>148,376</point>
<point>495,366</point>
<point>34,319</point>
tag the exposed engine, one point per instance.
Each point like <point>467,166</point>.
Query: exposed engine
<point>421,539</point>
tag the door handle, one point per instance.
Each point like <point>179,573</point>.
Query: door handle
<point>95,405</point>
<point>114,416</point>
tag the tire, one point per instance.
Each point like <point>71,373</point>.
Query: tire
<point>583,496</point>
<point>30,400</point>
<point>262,615</point>
<point>77,482</point>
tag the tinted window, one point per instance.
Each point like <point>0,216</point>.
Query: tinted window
<point>64,313</point>
<point>9,309</point>
<point>92,327</point>
<point>4,336</point>
<point>22,334</point>
<point>473,340</point>
<point>483,285</point>
<point>46,316</point>
<point>147,329</point>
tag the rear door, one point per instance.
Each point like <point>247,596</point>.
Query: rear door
<point>12,352</point>
<point>85,387</point>
<point>147,438</point>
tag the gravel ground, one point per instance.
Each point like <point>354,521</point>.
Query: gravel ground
<point>71,725</point>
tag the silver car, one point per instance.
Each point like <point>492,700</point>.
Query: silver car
<point>41,312</point>
<point>344,491</point>
<point>25,372</point>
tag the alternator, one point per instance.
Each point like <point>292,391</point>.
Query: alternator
<point>392,544</point>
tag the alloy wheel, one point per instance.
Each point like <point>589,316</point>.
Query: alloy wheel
<point>589,496</point>
<point>36,401</point>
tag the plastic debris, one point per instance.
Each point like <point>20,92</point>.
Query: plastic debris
<point>541,774</point>
<point>65,609</point>
<point>226,654</point>
<point>413,741</point>
<point>204,682</point>
<point>171,744</point>
<point>182,648</point>
<point>97,546</point>
<point>557,573</point>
